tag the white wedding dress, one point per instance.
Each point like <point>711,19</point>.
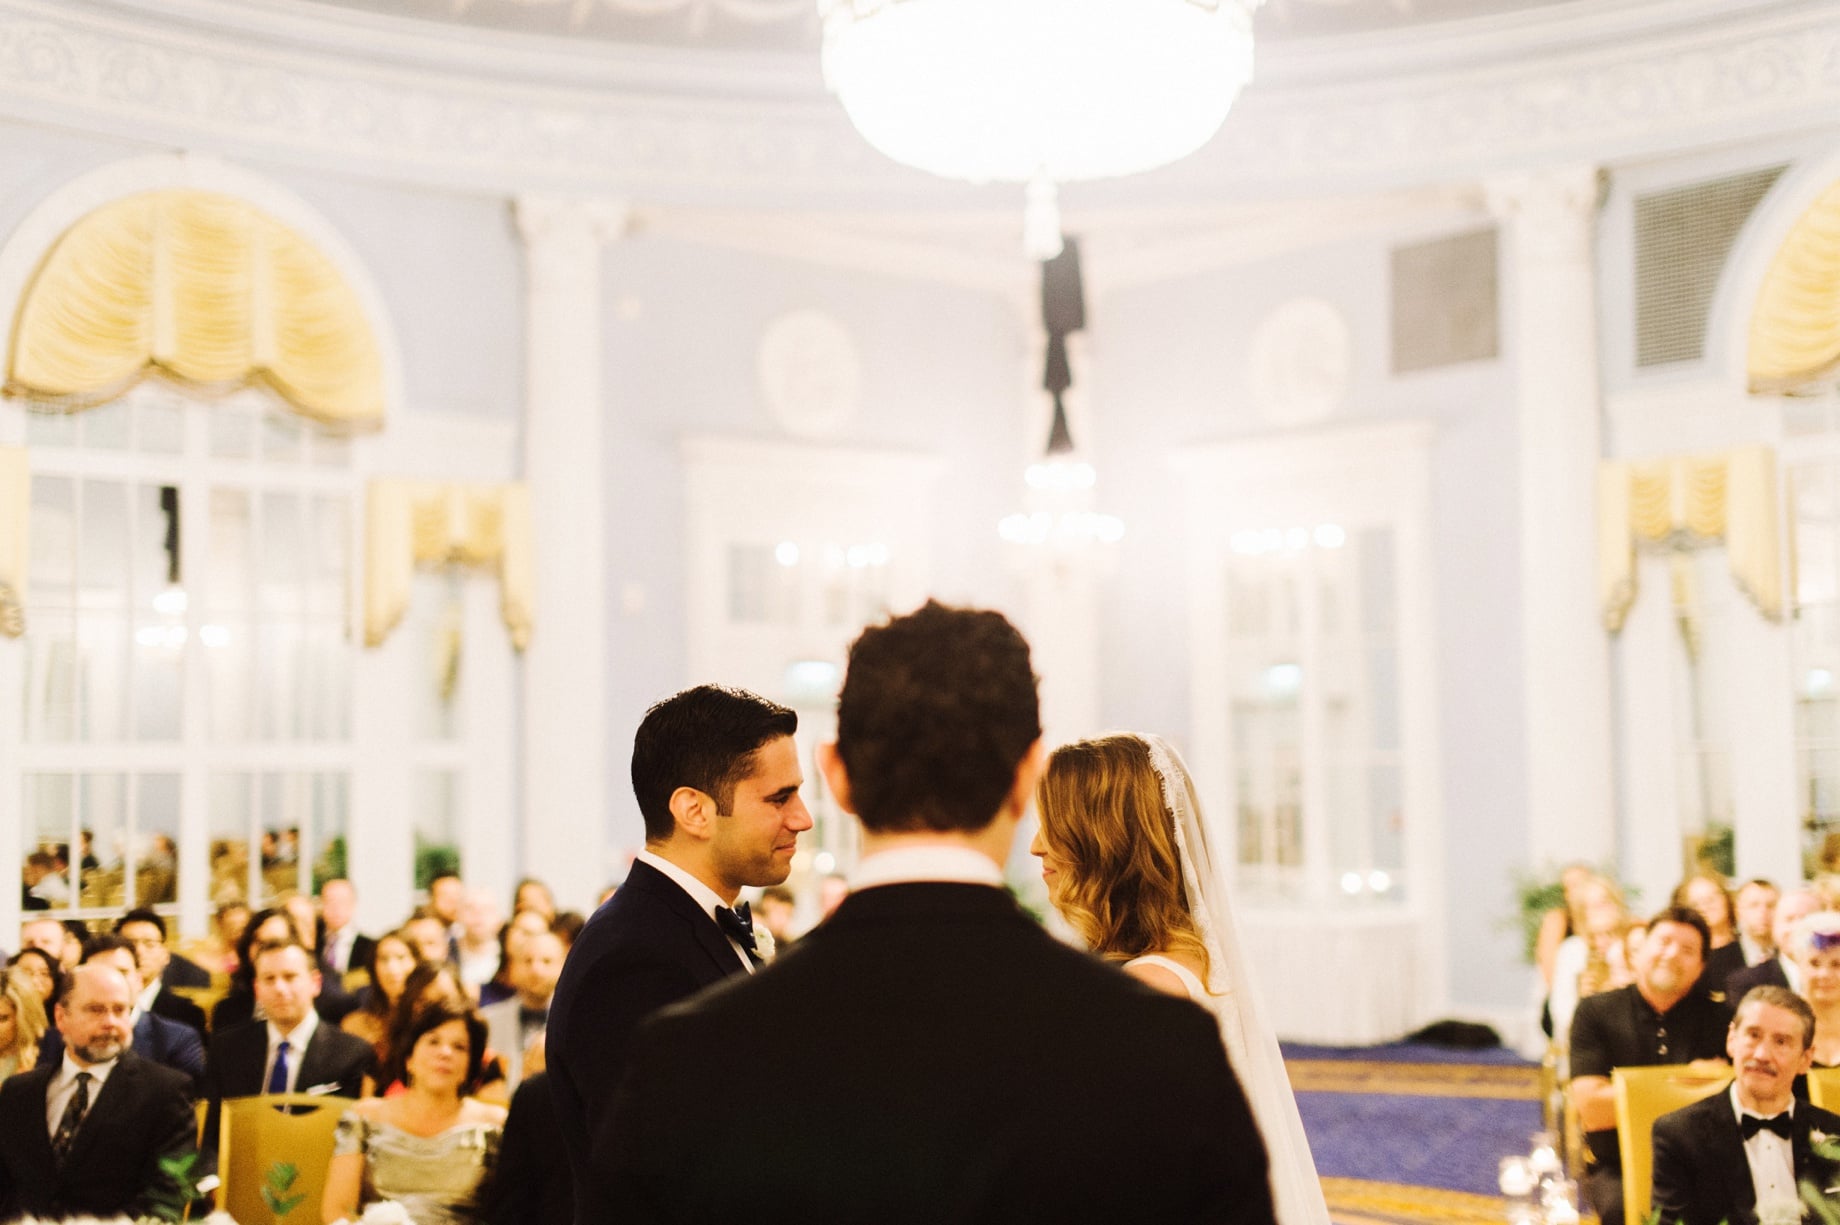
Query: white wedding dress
<point>1231,996</point>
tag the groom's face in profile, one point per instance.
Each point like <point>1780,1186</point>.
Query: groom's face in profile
<point>755,839</point>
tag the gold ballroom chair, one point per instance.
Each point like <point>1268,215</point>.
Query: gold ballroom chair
<point>1643,1095</point>
<point>256,1134</point>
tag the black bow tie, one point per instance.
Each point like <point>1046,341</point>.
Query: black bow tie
<point>1750,1124</point>
<point>738,925</point>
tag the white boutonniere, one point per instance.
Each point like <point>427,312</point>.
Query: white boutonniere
<point>763,943</point>
<point>385,1212</point>
<point>1818,1136</point>
<point>1784,1211</point>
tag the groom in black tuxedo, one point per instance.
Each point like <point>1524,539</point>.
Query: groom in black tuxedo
<point>1726,1155</point>
<point>929,1053</point>
<point>716,774</point>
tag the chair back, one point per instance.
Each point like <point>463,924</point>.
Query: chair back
<point>205,997</point>
<point>1824,1088</point>
<point>259,1134</point>
<point>1643,1095</point>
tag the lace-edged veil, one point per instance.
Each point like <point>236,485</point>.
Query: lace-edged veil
<point>1206,854</point>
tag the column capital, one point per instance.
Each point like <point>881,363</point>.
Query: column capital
<point>1551,210</point>
<point>542,217</point>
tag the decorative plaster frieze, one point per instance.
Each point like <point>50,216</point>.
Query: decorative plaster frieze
<point>1383,114</point>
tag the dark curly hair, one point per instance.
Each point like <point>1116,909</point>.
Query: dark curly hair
<point>705,737</point>
<point>432,1016</point>
<point>938,708</point>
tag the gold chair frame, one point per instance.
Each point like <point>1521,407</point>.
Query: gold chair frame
<point>1644,1094</point>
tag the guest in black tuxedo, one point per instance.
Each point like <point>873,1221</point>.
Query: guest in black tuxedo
<point>146,931</point>
<point>293,1050</point>
<point>1725,1157</point>
<point>1778,971</point>
<point>84,1134</point>
<point>716,774</point>
<point>531,1184</point>
<point>155,1038</point>
<point>930,1053</point>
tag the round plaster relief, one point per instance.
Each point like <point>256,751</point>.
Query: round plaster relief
<point>810,373</point>
<point>1299,362</point>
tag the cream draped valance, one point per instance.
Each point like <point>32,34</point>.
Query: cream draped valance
<point>204,288</point>
<point>15,500</point>
<point>1686,501</point>
<point>1795,329</point>
<point>435,523</point>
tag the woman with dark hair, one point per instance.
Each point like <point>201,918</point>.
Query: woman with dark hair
<point>393,960</point>
<point>239,1003</point>
<point>429,1147</point>
<point>41,971</point>
<point>1131,861</point>
<point>1707,892</point>
<point>429,984</point>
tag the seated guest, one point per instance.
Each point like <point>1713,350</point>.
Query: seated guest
<point>1779,971</point>
<point>22,1025</point>
<point>215,953</point>
<point>531,1185</point>
<point>1584,959</point>
<point>428,1148</point>
<point>40,971</point>
<point>1756,906</point>
<point>47,935</point>
<point>1659,1018</point>
<point>342,947</point>
<point>435,983</point>
<point>774,912</point>
<point>84,1135</point>
<point>524,924</point>
<point>433,942</point>
<point>160,971</point>
<point>292,1050</point>
<point>1730,1156</point>
<point>393,959</point>
<point>568,925</point>
<point>239,1003</point>
<point>479,951</point>
<point>1707,894</point>
<point>1814,949</point>
<point>165,1042</point>
<point>533,894</point>
<point>514,1027</point>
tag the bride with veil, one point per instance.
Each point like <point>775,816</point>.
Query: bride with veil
<point>1141,874</point>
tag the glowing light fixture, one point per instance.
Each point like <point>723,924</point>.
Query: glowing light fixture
<point>1041,92</point>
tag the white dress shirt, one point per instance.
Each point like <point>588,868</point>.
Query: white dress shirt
<point>63,1087</point>
<point>904,865</point>
<point>1771,1160</point>
<point>338,948</point>
<point>699,893</point>
<point>297,1049</point>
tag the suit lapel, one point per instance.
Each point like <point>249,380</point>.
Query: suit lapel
<point>105,1104</point>
<point>703,929</point>
<point>1729,1144</point>
<point>38,1132</point>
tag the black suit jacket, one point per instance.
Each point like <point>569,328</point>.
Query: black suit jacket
<point>175,1007</point>
<point>649,946</point>
<point>181,972</point>
<point>930,1055</point>
<point>1766,973</point>
<point>334,1062</point>
<point>1721,964</point>
<point>1702,1176</point>
<point>531,1185</point>
<point>140,1115</point>
<point>156,1038</point>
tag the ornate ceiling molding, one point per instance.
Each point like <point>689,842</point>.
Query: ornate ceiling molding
<point>392,101</point>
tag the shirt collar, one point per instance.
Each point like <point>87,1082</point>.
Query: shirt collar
<point>148,994</point>
<point>1739,1111</point>
<point>902,865</point>
<point>699,893</point>
<point>99,1072</point>
<point>301,1035</point>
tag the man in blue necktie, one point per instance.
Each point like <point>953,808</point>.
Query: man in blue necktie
<point>1752,1152</point>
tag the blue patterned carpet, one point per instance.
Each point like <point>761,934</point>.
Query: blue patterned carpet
<point>1405,1133</point>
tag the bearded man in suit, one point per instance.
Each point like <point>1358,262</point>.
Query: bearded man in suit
<point>716,774</point>
<point>85,1134</point>
<point>929,1052</point>
<point>167,1042</point>
<point>1732,1156</point>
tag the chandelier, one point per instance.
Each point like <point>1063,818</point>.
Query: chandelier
<point>1041,92</point>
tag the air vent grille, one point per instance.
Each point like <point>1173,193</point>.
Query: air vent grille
<point>1683,237</point>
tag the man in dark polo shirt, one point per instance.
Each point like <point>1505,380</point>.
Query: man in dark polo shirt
<point>1662,1017</point>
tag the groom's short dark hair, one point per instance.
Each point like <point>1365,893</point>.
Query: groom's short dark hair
<point>706,738</point>
<point>937,710</point>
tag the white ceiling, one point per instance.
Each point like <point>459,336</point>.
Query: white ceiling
<point>792,25</point>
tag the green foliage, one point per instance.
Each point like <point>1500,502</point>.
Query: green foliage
<point>177,1189</point>
<point>1716,851</point>
<point>434,859</point>
<point>275,1187</point>
<point>1537,894</point>
<point>331,864</point>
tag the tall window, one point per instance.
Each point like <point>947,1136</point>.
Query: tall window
<point>1812,468</point>
<point>187,682</point>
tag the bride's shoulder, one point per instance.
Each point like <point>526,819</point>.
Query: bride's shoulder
<point>1168,974</point>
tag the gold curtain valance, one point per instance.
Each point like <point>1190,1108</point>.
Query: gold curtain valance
<point>206,289</point>
<point>15,503</point>
<point>1795,329</point>
<point>435,523</point>
<point>1686,501</point>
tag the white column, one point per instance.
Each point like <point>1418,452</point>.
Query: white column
<point>564,769</point>
<point>1648,650</point>
<point>1551,311</point>
<point>1766,829</point>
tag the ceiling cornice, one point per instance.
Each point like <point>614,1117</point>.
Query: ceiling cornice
<point>417,102</point>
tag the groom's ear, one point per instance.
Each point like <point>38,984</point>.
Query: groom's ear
<point>694,811</point>
<point>830,765</point>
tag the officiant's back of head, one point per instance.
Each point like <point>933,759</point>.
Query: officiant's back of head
<point>938,707</point>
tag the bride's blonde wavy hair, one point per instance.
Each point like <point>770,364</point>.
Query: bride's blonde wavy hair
<point>1104,818</point>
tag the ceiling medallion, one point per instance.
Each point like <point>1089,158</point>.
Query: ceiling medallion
<point>1041,92</point>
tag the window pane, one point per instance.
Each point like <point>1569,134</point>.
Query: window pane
<point>102,644</point>
<point>53,542</point>
<point>284,803</point>
<point>283,437</point>
<point>156,840</point>
<point>437,825</point>
<point>50,428</point>
<point>325,842</point>
<point>103,811</point>
<point>108,427</point>
<point>280,561</point>
<point>104,545</point>
<point>232,815</point>
<point>53,677</point>
<point>50,818</point>
<point>233,432</point>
